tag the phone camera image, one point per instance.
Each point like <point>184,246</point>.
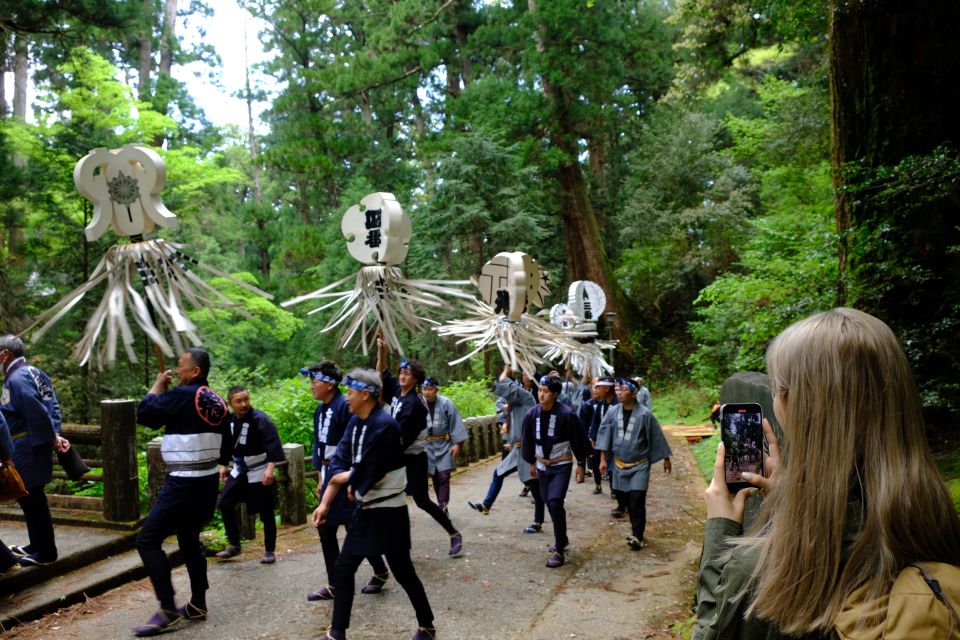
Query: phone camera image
<point>742,433</point>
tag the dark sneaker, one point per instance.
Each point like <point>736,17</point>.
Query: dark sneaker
<point>425,633</point>
<point>456,544</point>
<point>191,611</point>
<point>375,584</point>
<point>20,550</point>
<point>160,622</point>
<point>535,527</point>
<point>268,558</point>
<point>556,560</point>
<point>616,513</point>
<point>598,490</point>
<point>524,493</point>
<point>229,552</point>
<point>325,593</point>
<point>35,560</point>
<point>635,543</point>
<point>479,506</point>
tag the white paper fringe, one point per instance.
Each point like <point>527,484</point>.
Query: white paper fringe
<point>522,344</point>
<point>382,298</point>
<point>166,277</point>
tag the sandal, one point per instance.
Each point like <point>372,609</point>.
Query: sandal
<point>375,585</point>
<point>325,593</point>
<point>191,611</point>
<point>160,622</point>
<point>425,633</point>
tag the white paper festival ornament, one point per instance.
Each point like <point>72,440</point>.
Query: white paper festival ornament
<point>125,186</point>
<point>585,303</point>
<point>378,233</point>
<point>512,284</point>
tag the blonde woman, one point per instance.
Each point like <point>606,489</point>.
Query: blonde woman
<point>854,499</point>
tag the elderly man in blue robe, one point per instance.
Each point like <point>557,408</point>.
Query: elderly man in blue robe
<point>631,436</point>
<point>445,433</point>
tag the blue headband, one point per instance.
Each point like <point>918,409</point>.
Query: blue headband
<point>628,383</point>
<point>404,364</point>
<point>316,375</point>
<point>430,381</point>
<point>359,385</point>
<point>552,383</point>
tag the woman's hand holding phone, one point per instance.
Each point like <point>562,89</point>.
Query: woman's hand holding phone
<point>720,504</point>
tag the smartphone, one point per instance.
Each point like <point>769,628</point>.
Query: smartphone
<point>742,433</point>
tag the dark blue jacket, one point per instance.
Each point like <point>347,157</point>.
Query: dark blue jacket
<point>371,448</point>
<point>568,428</point>
<point>30,407</point>
<point>329,424</point>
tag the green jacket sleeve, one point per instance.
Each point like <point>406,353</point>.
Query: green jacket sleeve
<point>720,582</point>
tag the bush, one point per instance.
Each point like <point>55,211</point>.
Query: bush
<point>472,397</point>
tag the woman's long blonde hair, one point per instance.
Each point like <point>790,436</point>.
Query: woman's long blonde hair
<point>852,426</point>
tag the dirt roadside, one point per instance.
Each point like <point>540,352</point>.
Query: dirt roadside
<point>499,589</point>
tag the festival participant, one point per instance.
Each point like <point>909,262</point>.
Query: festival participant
<point>445,432</point>
<point>857,525</point>
<point>409,409</point>
<point>635,442</point>
<point>520,397</point>
<point>256,452</point>
<point>591,414</point>
<point>552,436</point>
<point>643,394</point>
<point>329,424</point>
<point>30,407</point>
<point>370,464</point>
<point>8,561</point>
<point>195,439</point>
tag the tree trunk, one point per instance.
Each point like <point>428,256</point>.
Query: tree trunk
<point>168,37</point>
<point>586,255</point>
<point>263,248</point>
<point>145,61</point>
<point>893,94</point>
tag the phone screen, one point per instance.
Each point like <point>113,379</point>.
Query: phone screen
<point>742,433</point>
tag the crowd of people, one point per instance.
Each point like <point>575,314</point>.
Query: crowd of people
<point>843,523</point>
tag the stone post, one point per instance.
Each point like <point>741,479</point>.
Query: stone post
<point>121,486</point>
<point>291,488</point>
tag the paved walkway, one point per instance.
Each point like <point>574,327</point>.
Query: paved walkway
<point>500,588</point>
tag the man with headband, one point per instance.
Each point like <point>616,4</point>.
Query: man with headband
<point>591,414</point>
<point>633,436</point>
<point>552,436</point>
<point>329,424</point>
<point>445,432</point>
<point>409,409</point>
<point>369,463</point>
<point>520,398</point>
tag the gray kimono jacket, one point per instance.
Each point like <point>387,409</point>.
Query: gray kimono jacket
<point>636,445</point>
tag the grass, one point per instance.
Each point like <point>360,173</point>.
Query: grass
<point>683,403</point>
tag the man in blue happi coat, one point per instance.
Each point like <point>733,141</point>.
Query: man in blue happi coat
<point>552,436</point>
<point>630,441</point>
<point>32,412</point>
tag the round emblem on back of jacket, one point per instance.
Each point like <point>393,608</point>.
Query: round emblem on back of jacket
<point>210,406</point>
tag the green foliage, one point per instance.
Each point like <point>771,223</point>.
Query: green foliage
<point>683,403</point>
<point>472,397</point>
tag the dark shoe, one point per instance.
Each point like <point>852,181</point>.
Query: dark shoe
<point>268,558</point>
<point>598,490</point>
<point>479,506</point>
<point>456,544</point>
<point>191,611</point>
<point>160,622</point>
<point>333,635</point>
<point>524,493</point>
<point>35,560</point>
<point>20,550</point>
<point>588,473</point>
<point>11,569</point>
<point>229,552</point>
<point>535,527</point>
<point>556,560</point>
<point>616,513</point>
<point>325,593</point>
<point>425,633</point>
<point>635,544</point>
<point>375,584</point>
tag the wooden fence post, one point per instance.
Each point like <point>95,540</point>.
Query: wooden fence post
<point>121,486</point>
<point>293,499</point>
<point>156,470</point>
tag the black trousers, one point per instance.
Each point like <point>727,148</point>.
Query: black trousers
<point>330,548</point>
<point>637,501</point>
<point>418,490</point>
<point>183,507</point>
<point>36,512</point>
<point>403,571</point>
<point>261,499</point>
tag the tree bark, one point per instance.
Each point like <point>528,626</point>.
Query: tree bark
<point>263,248</point>
<point>168,37</point>
<point>21,72</point>
<point>145,60</point>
